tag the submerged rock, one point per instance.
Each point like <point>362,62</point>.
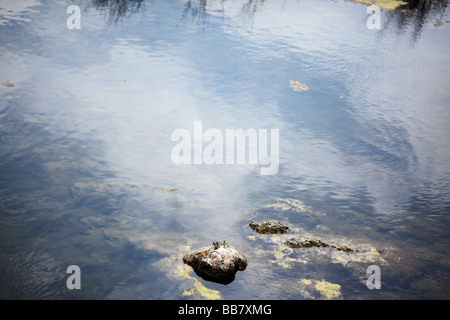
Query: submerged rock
<point>309,242</point>
<point>7,83</point>
<point>216,263</point>
<point>165,189</point>
<point>268,227</point>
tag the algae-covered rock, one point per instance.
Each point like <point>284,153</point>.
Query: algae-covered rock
<point>198,288</point>
<point>268,227</point>
<point>7,83</point>
<point>308,241</point>
<point>341,247</point>
<point>216,263</point>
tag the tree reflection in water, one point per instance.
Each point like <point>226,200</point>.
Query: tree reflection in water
<point>415,12</point>
<point>117,9</point>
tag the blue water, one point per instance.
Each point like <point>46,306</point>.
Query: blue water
<point>85,147</point>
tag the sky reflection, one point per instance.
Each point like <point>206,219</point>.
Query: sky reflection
<point>86,138</point>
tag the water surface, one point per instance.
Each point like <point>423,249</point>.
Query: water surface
<point>85,147</point>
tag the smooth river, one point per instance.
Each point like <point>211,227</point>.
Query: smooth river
<point>89,176</point>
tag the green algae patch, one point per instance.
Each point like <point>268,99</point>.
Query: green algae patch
<point>384,4</point>
<point>198,288</point>
<point>174,267</point>
<point>178,270</point>
<point>328,290</point>
<point>310,287</point>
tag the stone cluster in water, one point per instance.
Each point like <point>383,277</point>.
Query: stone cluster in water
<point>220,262</point>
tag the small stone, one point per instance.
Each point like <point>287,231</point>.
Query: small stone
<point>268,227</point>
<point>7,83</point>
<point>188,292</point>
<point>165,189</point>
<point>341,248</point>
<point>216,263</point>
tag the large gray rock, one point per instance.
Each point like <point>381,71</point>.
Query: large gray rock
<point>216,263</point>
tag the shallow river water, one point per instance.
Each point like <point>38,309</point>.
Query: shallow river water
<point>88,161</point>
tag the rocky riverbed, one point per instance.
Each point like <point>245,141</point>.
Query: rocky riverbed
<point>270,247</point>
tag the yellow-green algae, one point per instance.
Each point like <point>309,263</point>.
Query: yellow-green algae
<point>177,269</point>
<point>282,254</point>
<point>288,204</point>
<point>184,271</point>
<point>384,4</point>
<point>297,86</point>
<point>169,245</point>
<point>328,290</point>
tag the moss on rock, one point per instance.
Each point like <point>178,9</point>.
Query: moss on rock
<point>268,227</point>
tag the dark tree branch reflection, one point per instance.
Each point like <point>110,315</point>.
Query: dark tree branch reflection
<point>196,10</point>
<point>199,11</point>
<point>416,13</point>
<point>118,9</point>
